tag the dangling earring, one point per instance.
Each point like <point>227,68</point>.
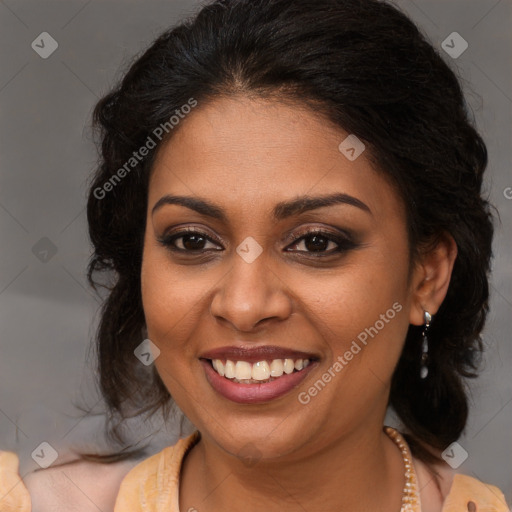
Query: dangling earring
<point>424,346</point>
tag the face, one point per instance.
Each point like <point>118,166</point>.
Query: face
<point>251,273</point>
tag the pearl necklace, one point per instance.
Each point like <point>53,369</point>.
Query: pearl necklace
<point>410,496</point>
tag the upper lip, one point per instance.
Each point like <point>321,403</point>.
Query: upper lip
<point>255,354</point>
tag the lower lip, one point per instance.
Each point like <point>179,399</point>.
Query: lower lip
<point>254,393</point>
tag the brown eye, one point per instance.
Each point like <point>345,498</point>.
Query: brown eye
<point>316,243</point>
<point>192,242</point>
<point>322,243</point>
<point>187,241</point>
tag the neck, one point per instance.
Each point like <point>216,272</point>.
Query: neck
<point>362,471</point>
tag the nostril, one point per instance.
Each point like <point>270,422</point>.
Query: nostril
<point>471,506</point>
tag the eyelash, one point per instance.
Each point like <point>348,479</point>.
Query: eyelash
<point>344,243</point>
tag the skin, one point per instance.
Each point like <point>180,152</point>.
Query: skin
<point>245,156</point>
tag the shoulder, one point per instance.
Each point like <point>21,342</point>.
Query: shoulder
<point>443,489</point>
<point>156,477</point>
<point>483,496</point>
<point>165,463</point>
<point>83,486</point>
<point>14,496</point>
<point>77,486</point>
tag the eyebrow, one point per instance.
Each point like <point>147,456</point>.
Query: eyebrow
<point>281,211</point>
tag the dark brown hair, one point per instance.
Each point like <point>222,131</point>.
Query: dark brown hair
<point>367,68</point>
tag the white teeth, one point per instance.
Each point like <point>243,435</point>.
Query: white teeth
<point>243,370</point>
<point>247,373</point>
<point>288,366</point>
<point>260,370</point>
<point>276,368</point>
<point>229,369</point>
<point>219,366</point>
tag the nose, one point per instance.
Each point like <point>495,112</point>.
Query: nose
<point>250,295</point>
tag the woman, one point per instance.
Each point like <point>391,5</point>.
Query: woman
<point>299,242</point>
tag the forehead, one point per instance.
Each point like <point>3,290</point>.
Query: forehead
<point>248,152</point>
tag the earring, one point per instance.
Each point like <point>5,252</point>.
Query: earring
<point>424,346</point>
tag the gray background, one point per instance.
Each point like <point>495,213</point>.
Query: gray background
<point>48,314</point>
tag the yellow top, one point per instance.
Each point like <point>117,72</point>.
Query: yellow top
<point>153,485</point>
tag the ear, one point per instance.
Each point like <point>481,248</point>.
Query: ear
<point>431,278</point>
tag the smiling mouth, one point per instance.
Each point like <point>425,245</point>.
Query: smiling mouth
<point>244,372</point>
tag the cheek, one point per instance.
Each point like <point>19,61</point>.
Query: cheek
<point>167,301</point>
<point>169,306</point>
<point>362,327</point>
<point>361,313</point>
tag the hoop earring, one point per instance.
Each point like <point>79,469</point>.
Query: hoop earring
<point>424,345</point>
